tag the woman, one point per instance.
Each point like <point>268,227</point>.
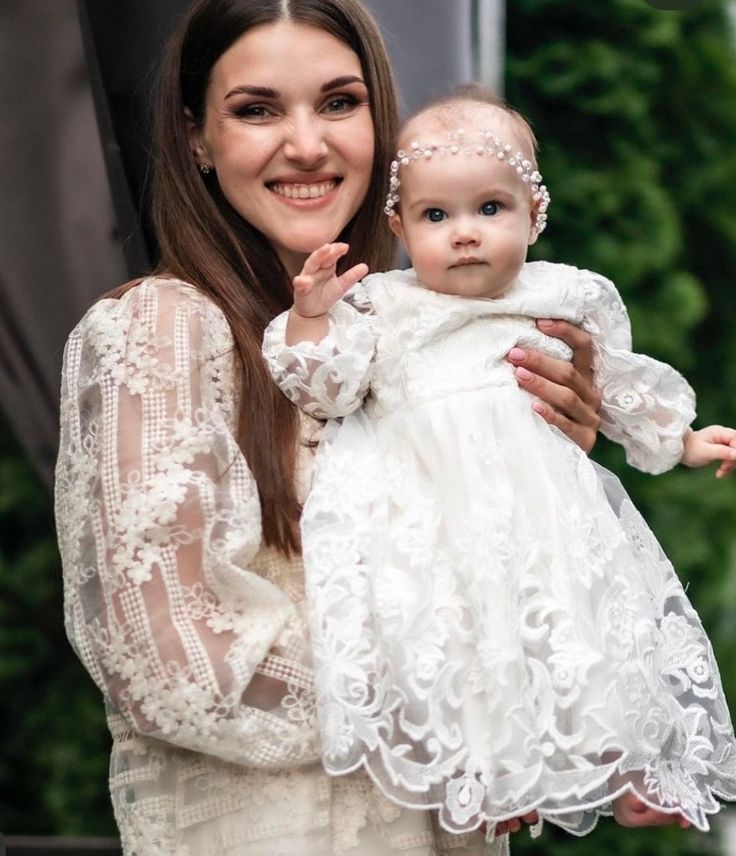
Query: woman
<point>182,468</point>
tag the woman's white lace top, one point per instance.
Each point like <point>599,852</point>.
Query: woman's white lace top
<point>193,632</point>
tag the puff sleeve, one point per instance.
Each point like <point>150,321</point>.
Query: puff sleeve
<point>158,521</point>
<point>647,405</point>
<point>329,378</point>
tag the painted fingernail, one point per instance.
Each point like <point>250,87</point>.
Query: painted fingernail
<point>517,354</point>
<point>545,322</point>
<point>523,374</point>
<point>538,408</point>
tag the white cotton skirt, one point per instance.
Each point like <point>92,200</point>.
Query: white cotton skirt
<point>495,627</point>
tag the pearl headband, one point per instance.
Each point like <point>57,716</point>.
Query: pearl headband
<point>457,143</point>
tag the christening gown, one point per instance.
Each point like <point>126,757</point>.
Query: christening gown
<point>495,627</point>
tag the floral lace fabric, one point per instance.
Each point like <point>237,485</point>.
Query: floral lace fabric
<point>194,633</point>
<point>495,627</point>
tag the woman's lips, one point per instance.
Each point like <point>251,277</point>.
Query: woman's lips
<point>303,190</point>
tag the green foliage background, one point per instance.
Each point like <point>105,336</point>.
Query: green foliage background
<point>54,745</point>
<point>635,110</point>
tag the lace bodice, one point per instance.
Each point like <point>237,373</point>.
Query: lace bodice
<point>194,632</point>
<point>407,344</point>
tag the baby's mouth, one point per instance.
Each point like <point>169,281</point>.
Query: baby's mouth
<point>299,190</point>
<point>467,261</point>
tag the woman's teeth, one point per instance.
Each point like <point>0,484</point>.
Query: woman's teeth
<point>303,191</point>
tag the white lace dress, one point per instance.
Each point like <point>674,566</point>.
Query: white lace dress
<point>195,633</point>
<point>495,627</point>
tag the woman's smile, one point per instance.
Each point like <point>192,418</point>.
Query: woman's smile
<point>301,191</point>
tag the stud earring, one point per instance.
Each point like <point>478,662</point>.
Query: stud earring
<point>205,168</point>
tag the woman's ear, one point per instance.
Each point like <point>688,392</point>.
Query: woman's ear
<point>196,142</point>
<point>394,224</point>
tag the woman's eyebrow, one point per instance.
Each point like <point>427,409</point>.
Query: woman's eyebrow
<point>257,91</point>
<point>345,80</point>
<point>267,92</point>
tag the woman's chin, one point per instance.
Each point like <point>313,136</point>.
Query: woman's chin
<point>294,254</point>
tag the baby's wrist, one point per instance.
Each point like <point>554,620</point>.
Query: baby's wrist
<point>303,316</point>
<point>687,441</point>
<point>300,328</point>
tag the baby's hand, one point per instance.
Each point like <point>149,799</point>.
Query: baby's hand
<point>714,443</point>
<point>318,286</point>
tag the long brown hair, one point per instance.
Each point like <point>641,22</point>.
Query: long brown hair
<point>204,241</point>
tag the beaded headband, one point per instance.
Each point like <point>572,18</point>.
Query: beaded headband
<point>488,144</point>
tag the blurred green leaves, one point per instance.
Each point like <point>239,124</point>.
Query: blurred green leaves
<point>54,743</point>
<point>635,112</point>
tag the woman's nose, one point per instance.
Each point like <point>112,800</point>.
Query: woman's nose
<point>305,141</point>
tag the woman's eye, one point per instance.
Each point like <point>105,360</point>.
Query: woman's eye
<point>341,104</point>
<point>253,111</point>
<point>435,215</point>
<point>488,209</point>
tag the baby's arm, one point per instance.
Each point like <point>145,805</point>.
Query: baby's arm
<point>647,406</point>
<point>316,289</point>
<point>714,443</point>
<point>321,352</point>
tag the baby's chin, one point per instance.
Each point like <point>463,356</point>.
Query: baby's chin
<point>469,281</point>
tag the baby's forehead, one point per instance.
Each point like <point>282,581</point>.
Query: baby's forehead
<point>470,116</point>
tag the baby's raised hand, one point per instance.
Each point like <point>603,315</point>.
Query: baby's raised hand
<point>318,286</point>
<point>714,443</point>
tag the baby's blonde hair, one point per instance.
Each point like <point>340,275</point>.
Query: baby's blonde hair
<point>458,108</point>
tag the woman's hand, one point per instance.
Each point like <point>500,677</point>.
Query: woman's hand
<point>569,400</point>
<point>630,811</point>
<point>514,823</point>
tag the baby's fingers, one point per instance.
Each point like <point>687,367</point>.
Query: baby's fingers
<point>325,256</point>
<point>726,453</point>
<point>720,434</point>
<point>351,276</point>
<point>728,465</point>
<point>303,284</point>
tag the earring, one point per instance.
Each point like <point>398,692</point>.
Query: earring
<point>205,168</point>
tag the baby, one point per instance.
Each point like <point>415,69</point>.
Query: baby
<point>497,632</point>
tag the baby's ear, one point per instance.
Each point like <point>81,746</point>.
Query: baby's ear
<point>533,232</point>
<point>394,224</point>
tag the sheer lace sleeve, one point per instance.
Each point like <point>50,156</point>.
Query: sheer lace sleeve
<point>159,522</point>
<point>647,405</point>
<point>329,378</point>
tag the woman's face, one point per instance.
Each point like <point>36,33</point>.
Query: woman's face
<point>288,130</point>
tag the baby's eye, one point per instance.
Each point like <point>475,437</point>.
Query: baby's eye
<point>488,209</point>
<point>435,215</point>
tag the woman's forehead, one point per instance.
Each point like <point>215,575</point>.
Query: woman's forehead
<point>284,53</point>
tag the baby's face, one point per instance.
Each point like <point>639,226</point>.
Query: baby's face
<point>466,221</point>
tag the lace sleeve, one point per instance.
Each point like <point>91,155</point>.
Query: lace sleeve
<point>158,519</point>
<point>647,405</point>
<point>330,378</point>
